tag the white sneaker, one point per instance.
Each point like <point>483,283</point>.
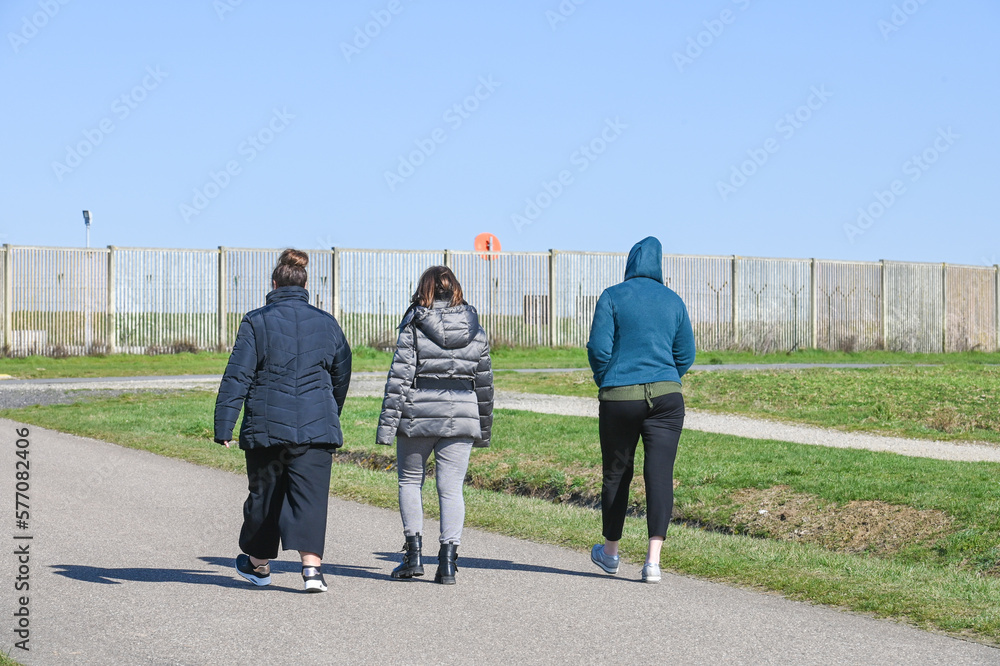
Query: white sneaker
<point>600,558</point>
<point>651,573</point>
<point>313,579</point>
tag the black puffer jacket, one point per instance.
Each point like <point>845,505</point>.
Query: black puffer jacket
<point>440,383</point>
<point>289,370</point>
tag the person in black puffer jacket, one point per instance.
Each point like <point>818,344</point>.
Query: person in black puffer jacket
<point>438,397</point>
<point>289,371</point>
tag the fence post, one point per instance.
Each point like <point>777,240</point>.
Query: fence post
<point>447,258</point>
<point>335,278</point>
<point>223,297</point>
<point>996,309</point>
<point>736,322</point>
<point>8,299</point>
<point>884,305</point>
<point>553,338</point>
<point>112,325</point>
<point>812,304</point>
<point>944,307</point>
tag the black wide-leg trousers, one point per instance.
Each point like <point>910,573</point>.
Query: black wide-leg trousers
<point>288,500</point>
<point>621,424</point>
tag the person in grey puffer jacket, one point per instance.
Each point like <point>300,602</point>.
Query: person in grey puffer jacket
<point>438,397</point>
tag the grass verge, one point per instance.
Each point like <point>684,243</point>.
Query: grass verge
<point>367,359</point>
<point>543,472</point>
<point>948,403</point>
<point>5,660</point>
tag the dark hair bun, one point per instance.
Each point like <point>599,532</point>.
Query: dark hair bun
<point>292,257</point>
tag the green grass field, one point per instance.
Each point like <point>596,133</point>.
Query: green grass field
<point>908,538</point>
<point>368,359</point>
<point>955,402</point>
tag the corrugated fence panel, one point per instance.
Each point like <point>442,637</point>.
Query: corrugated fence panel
<point>510,292</point>
<point>248,279</point>
<point>914,307</point>
<point>168,300</point>
<point>375,290</point>
<point>705,286</point>
<point>773,304</point>
<point>165,300</point>
<point>580,277</point>
<point>971,308</point>
<point>60,301</point>
<point>848,305</point>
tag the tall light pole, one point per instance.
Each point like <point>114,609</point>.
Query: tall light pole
<point>86,221</point>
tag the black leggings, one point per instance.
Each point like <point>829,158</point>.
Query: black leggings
<point>621,424</point>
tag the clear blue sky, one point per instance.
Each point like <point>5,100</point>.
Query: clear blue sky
<point>723,127</point>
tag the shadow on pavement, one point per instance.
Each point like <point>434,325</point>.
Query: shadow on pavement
<point>107,576</point>
<point>508,565</point>
<point>294,566</point>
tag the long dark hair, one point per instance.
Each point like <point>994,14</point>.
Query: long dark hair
<point>438,282</point>
<point>291,269</point>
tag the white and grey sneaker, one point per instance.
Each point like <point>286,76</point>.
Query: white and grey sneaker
<point>607,562</point>
<point>313,579</point>
<point>651,573</point>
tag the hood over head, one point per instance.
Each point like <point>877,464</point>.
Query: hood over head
<point>645,259</point>
<point>448,327</point>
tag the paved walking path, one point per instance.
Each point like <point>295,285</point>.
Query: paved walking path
<point>131,556</point>
<point>16,393</point>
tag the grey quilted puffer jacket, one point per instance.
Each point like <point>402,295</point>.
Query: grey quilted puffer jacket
<point>440,383</point>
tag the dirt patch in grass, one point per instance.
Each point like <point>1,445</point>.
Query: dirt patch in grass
<point>857,527</point>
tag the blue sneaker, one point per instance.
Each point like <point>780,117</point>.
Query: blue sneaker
<point>651,573</point>
<point>603,560</point>
<point>259,576</point>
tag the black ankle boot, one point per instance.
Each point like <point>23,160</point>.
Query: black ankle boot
<point>412,565</point>
<point>447,557</point>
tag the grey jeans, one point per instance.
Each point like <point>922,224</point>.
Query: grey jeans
<point>451,457</point>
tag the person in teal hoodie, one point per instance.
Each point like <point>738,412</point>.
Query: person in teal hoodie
<point>641,344</point>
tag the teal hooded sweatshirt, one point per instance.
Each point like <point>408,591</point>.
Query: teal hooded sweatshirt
<point>641,331</point>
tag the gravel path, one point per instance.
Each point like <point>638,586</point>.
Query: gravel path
<point>19,393</point>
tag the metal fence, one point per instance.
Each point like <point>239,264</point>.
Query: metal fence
<point>136,300</point>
